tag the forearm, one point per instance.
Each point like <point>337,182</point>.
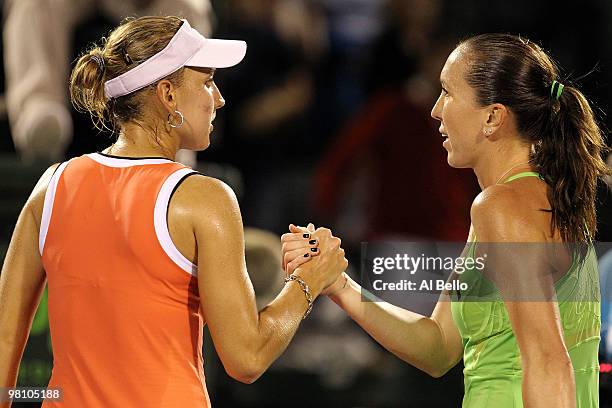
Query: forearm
<point>10,357</point>
<point>416,339</point>
<point>549,383</point>
<point>13,333</point>
<point>278,323</point>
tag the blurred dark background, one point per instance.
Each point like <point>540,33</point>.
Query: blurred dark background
<point>327,121</point>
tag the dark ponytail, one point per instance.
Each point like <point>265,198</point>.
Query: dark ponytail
<point>567,142</point>
<point>570,160</point>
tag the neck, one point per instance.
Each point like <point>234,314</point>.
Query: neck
<point>499,165</point>
<point>136,141</point>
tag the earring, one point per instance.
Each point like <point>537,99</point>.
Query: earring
<point>179,124</point>
<point>487,132</point>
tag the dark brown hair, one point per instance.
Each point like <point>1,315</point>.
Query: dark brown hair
<point>567,142</point>
<point>130,44</point>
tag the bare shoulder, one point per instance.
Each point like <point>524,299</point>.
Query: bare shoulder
<point>493,200</point>
<point>199,190</point>
<point>200,195</point>
<point>499,214</point>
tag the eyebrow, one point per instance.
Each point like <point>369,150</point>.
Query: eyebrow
<point>210,75</point>
<point>207,71</point>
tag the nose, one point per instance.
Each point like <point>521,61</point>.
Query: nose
<point>436,111</point>
<point>219,101</point>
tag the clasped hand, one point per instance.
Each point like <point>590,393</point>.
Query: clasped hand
<point>318,250</point>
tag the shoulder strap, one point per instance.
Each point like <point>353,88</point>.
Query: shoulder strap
<point>522,175</point>
<point>48,205</point>
<point>160,218</point>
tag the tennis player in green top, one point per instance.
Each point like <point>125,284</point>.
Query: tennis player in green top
<point>535,147</point>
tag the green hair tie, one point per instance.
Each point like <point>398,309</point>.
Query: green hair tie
<point>556,89</point>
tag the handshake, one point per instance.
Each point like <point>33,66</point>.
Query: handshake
<point>315,256</point>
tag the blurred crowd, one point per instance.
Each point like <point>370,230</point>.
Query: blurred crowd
<point>327,121</point>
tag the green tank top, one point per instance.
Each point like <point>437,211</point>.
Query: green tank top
<point>492,373</point>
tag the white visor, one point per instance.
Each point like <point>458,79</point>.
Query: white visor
<point>188,48</point>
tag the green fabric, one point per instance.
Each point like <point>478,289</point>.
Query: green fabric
<point>556,89</point>
<point>521,175</point>
<point>492,373</point>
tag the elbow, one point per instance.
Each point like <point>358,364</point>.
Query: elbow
<point>246,371</point>
<point>437,372</point>
<point>438,367</point>
<point>435,364</point>
<point>245,377</point>
<point>431,369</point>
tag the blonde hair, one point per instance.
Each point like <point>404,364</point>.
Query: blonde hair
<point>131,43</point>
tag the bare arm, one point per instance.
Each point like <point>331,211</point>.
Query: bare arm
<point>519,268</point>
<point>431,344</point>
<point>246,340</point>
<point>21,284</point>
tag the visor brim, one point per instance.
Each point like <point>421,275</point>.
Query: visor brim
<point>218,54</point>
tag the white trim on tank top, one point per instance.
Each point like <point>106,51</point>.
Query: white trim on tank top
<point>125,162</point>
<point>161,221</point>
<point>48,205</point>
<point>160,212</point>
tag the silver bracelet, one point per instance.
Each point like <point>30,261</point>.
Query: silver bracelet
<point>306,290</point>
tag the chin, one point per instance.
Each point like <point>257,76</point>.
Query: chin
<point>202,146</point>
<point>196,146</point>
<point>456,162</point>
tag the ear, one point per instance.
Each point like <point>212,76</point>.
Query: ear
<point>166,94</point>
<point>497,115</point>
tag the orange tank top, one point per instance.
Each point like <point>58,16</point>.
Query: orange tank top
<point>124,306</point>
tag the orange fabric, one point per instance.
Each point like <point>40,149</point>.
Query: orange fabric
<point>124,318</point>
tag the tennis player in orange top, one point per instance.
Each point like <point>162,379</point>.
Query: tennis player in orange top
<point>138,251</point>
